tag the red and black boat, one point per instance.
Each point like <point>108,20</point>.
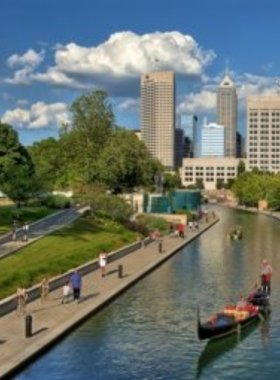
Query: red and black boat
<point>233,318</point>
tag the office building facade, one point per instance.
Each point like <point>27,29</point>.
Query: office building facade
<point>227,113</point>
<point>209,171</point>
<point>189,125</point>
<point>179,147</point>
<point>263,133</point>
<point>212,141</point>
<point>158,116</point>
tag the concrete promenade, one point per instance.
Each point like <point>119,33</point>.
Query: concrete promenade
<point>52,320</point>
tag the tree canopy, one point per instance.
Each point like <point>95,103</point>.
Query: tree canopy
<point>92,149</point>
<point>251,187</point>
<point>17,178</point>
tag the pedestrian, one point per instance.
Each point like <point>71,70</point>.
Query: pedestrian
<point>181,229</point>
<point>21,301</point>
<point>141,241</point>
<point>266,273</point>
<point>196,225</point>
<point>66,291</point>
<point>14,231</point>
<point>76,282</point>
<point>45,288</point>
<point>102,261</point>
<point>25,229</point>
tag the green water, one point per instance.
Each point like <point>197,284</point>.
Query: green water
<point>149,333</point>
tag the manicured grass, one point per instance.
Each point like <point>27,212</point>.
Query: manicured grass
<point>65,249</point>
<point>29,214</point>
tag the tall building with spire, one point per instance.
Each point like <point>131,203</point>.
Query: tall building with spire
<point>158,115</point>
<point>227,113</point>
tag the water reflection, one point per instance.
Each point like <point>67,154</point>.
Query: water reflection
<point>214,350</point>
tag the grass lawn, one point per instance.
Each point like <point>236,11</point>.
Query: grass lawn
<point>65,249</point>
<point>29,214</point>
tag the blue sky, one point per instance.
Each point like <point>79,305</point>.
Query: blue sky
<point>51,51</point>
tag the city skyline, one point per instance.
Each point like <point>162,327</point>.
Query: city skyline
<point>51,53</point>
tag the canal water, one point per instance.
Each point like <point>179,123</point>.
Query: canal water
<point>149,333</point>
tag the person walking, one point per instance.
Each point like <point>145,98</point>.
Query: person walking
<point>14,230</point>
<point>21,301</point>
<point>266,273</point>
<point>25,229</point>
<point>102,261</point>
<point>76,282</point>
<point>45,288</point>
<point>181,229</point>
<point>66,291</point>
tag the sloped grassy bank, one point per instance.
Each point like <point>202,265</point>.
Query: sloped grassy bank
<point>65,249</point>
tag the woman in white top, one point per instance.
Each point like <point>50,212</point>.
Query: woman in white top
<point>102,260</point>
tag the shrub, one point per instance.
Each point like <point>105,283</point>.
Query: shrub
<point>136,227</point>
<point>111,206</point>
<point>56,201</point>
<point>153,222</point>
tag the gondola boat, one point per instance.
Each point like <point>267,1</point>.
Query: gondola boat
<point>232,319</point>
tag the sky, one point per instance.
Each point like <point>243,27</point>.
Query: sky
<point>52,51</point>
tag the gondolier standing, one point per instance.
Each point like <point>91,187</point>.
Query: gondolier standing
<point>266,273</point>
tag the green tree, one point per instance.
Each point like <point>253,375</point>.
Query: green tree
<point>46,156</point>
<point>17,178</point>
<point>125,162</point>
<point>241,168</point>
<point>92,125</point>
<point>172,181</point>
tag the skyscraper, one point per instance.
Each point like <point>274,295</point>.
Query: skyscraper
<point>158,115</point>
<point>212,140</point>
<point>189,125</point>
<point>227,113</point>
<point>179,147</point>
<point>263,132</point>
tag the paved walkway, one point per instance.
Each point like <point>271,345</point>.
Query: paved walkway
<point>52,319</point>
<point>38,229</point>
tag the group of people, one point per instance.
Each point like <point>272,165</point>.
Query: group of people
<point>70,291</point>
<point>177,230</point>
<point>15,230</point>
<point>266,274</point>
<point>22,296</point>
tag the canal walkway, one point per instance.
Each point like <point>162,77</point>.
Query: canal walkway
<point>52,319</point>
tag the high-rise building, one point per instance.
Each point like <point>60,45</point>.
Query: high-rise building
<point>158,115</point>
<point>263,133</point>
<point>212,140</point>
<point>189,126</point>
<point>239,145</point>
<point>227,113</point>
<point>179,147</point>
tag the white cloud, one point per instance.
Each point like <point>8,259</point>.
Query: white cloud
<point>122,58</point>
<point>203,102</point>
<point>28,63</point>
<point>30,58</point>
<point>39,115</point>
<point>129,105</point>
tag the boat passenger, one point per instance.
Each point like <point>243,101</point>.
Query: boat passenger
<point>241,304</point>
